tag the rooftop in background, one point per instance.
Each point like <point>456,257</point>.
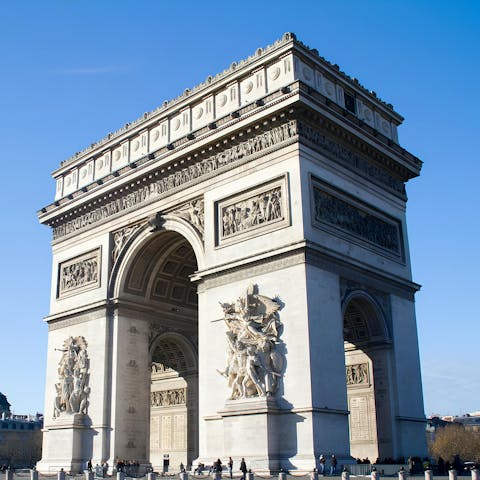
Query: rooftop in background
<point>470,421</point>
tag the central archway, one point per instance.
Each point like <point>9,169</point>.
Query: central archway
<point>156,290</point>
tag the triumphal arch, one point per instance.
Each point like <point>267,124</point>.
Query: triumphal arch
<point>231,277</point>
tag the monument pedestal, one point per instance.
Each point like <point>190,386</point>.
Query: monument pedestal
<point>250,430</point>
<point>67,441</point>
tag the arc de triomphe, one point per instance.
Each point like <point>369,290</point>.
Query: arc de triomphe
<point>231,277</point>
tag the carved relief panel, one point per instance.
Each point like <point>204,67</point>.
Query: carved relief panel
<point>253,212</point>
<point>120,238</point>
<point>357,374</point>
<point>167,398</point>
<point>79,274</point>
<point>193,213</point>
<point>344,216</point>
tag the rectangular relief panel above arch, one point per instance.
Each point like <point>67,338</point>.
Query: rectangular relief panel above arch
<point>79,274</point>
<point>342,215</point>
<point>256,211</point>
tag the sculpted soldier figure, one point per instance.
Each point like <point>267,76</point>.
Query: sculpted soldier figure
<point>72,388</point>
<point>253,363</point>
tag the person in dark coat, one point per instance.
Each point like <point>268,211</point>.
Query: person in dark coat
<point>333,465</point>
<point>243,469</point>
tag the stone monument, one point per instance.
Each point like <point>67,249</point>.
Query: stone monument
<point>231,277</point>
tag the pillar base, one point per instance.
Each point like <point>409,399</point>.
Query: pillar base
<point>67,441</point>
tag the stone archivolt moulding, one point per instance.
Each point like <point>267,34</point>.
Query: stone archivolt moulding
<point>79,274</point>
<point>192,212</point>
<point>340,214</point>
<point>253,212</point>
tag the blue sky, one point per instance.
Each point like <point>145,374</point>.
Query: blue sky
<point>72,71</point>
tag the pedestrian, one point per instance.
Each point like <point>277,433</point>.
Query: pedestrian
<point>243,469</point>
<point>230,466</point>
<point>218,466</point>
<point>411,465</point>
<point>333,465</point>
<point>321,464</point>
<point>89,465</point>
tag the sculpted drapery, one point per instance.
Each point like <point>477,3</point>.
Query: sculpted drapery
<point>72,387</point>
<point>254,364</point>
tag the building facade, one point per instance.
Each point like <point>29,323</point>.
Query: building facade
<point>231,277</point>
<point>20,437</point>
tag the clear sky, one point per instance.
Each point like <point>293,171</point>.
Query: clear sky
<point>72,71</point>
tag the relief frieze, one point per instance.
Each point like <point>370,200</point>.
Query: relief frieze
<point>260,209</point>
<point>256,210</point>
<point>193,213</point>
<point>357,374</point>
<point>181,177</point>
<point>168,398</point>
<point>79,274</point>
<point>360,221</point>
<point>120,238</point>
<point>337,151</point>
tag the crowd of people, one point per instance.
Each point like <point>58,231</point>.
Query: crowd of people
<point>129,467</point>
<point>217,467</point>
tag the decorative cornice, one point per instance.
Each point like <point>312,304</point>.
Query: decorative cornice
<point>259,55</point>
<point>185,174</point>
<point>195,167</point>
<point>78,315</point>
<point>169,154</point>
<point>309,253</point>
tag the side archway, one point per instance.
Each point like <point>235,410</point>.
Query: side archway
<point>173,402</point>
<point>368,370</point>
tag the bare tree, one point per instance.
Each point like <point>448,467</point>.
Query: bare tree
<point>454,440</point>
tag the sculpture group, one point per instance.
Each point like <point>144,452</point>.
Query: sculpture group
<point>165,398</point>
<point>254,363</point>
<point>257,210</point>
<point>72,388</point>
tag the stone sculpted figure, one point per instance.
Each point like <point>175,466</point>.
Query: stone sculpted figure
<point>72,389</point>
<point>193,212</point>
<point>254,364</point>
